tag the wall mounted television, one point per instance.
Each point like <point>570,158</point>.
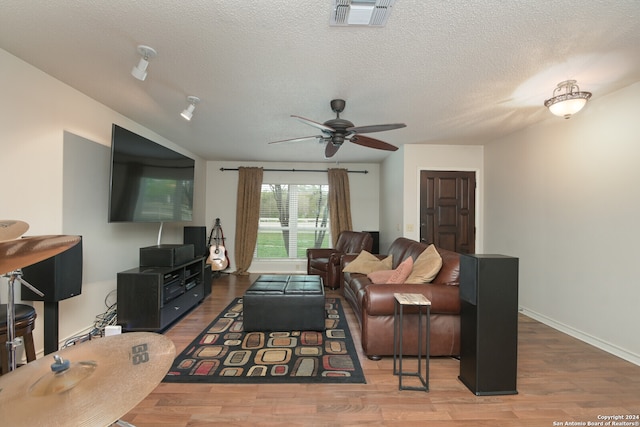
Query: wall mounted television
<point>148,182</point>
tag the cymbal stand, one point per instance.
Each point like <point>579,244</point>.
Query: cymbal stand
<point>11,314</point>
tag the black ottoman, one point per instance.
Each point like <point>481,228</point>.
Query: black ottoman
<point>279,302</point>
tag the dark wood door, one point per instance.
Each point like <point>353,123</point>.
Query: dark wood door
<point>447,209</point>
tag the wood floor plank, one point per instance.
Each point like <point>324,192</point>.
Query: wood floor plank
<point>560,379</point>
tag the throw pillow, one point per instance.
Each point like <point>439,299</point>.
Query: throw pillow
<point>426,267</point>
<point>366,263</point>
<point>401,272</point>
<point>380,276</point>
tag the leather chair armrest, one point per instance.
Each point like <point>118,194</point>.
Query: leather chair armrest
<point>334,258</point>
<point>319,252</point>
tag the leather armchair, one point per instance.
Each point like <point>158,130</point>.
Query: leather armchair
<point>325,262</point>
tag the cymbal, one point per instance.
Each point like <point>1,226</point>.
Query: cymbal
<point>20,253</point>
<point>11,229</point>
<point>106,378</point>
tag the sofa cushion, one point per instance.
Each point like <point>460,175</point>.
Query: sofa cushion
<point>401,273</point>
<point>426,267</point>
<point>365,263</point>
<point>380,276</point>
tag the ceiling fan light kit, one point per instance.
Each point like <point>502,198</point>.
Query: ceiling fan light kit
<point>336,131</point>
<point>373,13</point>
<point>567,99</point>
<point>140,71</point>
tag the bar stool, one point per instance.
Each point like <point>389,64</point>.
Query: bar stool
<point>25,322</point>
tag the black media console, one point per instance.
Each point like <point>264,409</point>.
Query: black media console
<point>152,298</point>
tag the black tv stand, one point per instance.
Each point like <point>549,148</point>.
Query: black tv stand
<point>153,298</point>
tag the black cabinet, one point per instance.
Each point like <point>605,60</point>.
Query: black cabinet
<point>489,323</point>
<point>152,298</point>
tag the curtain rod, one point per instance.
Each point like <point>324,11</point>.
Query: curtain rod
<point>295,170</point>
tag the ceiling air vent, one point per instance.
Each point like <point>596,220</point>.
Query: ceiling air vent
<point>372,13</point>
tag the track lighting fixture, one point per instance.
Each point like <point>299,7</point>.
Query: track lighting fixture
<point>567,103</point>
<point>187,113</point>
<point>140,70</point>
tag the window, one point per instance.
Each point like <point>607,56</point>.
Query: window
<point>292,219</point>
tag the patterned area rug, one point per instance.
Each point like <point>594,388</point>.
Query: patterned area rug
<point>224,353</point>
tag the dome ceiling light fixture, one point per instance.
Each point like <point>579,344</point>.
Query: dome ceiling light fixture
<point>567,99</point>
<point>140,71</point>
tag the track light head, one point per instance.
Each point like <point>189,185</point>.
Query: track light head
<point>187,113</point>
<point>140,70</point>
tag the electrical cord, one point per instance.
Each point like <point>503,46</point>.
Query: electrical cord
<point>108,318</point>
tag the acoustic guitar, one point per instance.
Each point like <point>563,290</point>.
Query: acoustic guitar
<point>218,258</point>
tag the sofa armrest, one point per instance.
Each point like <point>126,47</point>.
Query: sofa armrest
<point>379,299</point>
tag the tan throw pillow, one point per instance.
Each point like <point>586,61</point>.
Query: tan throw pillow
<point>380,276</point>
<point>426,267</point>
<point>366,263</point>
<point>401,272</point>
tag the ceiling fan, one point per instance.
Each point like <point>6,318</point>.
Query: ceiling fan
<point>336,131</point>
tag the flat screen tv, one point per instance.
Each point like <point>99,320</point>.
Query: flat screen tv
<point>149,182</point>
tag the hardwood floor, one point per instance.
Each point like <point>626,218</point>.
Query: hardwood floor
<point>560,380</point>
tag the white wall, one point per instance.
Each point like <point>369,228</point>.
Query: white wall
<point>563,197</point>
<point>392,194</point>
<point>223,186</point>
<point>402,170</point>
<point>64,192</point>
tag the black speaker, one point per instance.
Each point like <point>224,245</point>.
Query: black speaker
<point>375,235</point>
<point>58,277</point>
<point>489,323</point>
<point>197,236</point>
<point>207,278</point>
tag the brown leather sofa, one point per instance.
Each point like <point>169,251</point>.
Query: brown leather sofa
<point>325,262</point>
<point>374,305</point>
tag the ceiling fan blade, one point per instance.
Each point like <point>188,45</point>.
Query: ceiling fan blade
<point>376,128</point>
<point>330,149</point>
<point>304,138</point>
<point>372,143</point>
<point>320,126</point>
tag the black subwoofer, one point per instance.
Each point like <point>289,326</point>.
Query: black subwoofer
<point>196,236</point>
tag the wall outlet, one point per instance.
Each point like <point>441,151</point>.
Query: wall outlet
<point>110,330</point>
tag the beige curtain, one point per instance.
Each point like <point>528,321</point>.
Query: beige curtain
<point>339,203</point>
<point>247,217</point>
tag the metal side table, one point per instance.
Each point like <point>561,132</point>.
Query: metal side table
<point>403,300</point>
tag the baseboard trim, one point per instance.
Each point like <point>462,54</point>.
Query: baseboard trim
<point>589,339</point>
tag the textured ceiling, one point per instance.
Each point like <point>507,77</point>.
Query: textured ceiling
<point>453,71</point>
